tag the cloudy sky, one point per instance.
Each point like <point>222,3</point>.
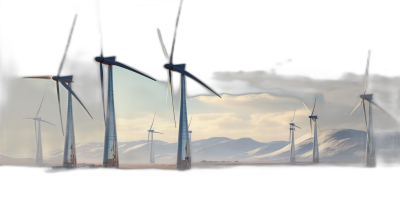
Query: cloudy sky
<point>264,57</point>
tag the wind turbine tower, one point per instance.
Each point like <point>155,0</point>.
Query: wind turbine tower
<point>38,135</point>
<point>291,140</point>
<point>370,149</point>
<point>110,157</point>
<point>182,160</point>
<point>313,118</point>
<point>151,132</point>
<point>69,146</point>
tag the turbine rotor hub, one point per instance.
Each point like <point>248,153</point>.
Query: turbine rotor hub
<point>168,66</point>
<point>99,59</point>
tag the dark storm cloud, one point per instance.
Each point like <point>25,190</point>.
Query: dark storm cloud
<point>340,96</point>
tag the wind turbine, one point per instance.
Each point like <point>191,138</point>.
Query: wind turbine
<point>63,79</point>
<point>110,158</point>
<point>370,149</point>
<point>38,135</point>
<point>291,140</point>
<point>313,118</point>
<point>183,161</point>
<point>148,136</point>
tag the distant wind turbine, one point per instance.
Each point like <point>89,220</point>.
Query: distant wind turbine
<point>183,161</point>
<point>110,158</point>
<point>370,148</point>
<point>148,138</point>
<point>291,140</point>
<point>313,118</point>
<point>38,135</point>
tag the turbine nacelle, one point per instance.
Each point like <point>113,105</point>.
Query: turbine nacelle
<point>66,79</point>
<point>367,97</point>
<point>313,117</point>
<point>150,130</point>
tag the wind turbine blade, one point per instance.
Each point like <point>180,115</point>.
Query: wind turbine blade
<point>373,103</point>
<point>148,137</point>
<point>366,125</point>
<point>66,48</point>
<point>127,67</point>
<point>176,27</point>
<point>314,106</point>
<point>366,72</point>
<point>310,127</point>
<point>36,134</point>
<point>100,30</point>
<point>297,126</point>
<point>47,122</point>
<point>316,124</point>
<point>294,113</point>
<point>76,97</point>
<point>172,96</point>
<point>162,44</point>
<point>158,132</point>
<point>290,136</point>
<point>190,120</point>
<point>38,77</point>
<point>194,78</point>
<point>307,109</point>
<point>59,106</point>
<point>153,120</point>
<point>359,103</point>
<point>40,105</point>
<point>102,89</point>
<point>166,98</point>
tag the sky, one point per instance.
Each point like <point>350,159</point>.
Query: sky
<point>269,56</point>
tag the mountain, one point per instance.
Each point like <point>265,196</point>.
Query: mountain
<point>342,145</point>
<point>4,160</point>
<point>214,149</point>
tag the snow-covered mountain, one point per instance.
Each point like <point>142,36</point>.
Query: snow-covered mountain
<point>343,145</point>
<point>4,160</point>
<point>214,149</point>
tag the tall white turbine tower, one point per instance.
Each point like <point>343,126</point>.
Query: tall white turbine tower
<point>183,151</point>
<point>148,138</point>
<point>291,140</point>
<point>313,118</point>
<point>38,135</point>
<point>370,149</point>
